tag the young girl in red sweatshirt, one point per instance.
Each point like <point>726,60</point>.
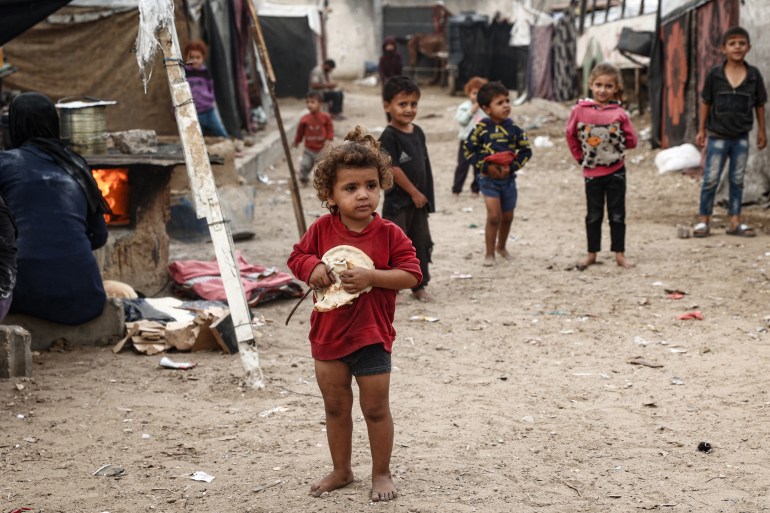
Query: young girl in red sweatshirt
<point>355,340</point>
<point>599,132</point>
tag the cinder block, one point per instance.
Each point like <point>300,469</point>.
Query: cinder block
<point>15,352</point>
<point>109,327</point>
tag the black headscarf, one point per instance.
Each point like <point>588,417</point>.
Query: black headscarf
<point>33,120</point>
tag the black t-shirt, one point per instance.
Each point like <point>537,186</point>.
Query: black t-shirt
<point>410,153</point>
<point>731,112</point>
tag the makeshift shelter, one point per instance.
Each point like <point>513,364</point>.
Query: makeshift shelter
<point>690,33</point>
<point>293,38</point>
<point>65,56</point>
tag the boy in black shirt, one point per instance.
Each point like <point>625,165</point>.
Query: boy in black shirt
<point>411,199</point>
<point>732,93</point>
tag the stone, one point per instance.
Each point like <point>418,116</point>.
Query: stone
<point>15,352</point>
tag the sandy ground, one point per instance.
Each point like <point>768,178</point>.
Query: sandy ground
<point>539,388</point>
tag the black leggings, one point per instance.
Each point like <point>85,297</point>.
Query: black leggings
<point>611,188</point>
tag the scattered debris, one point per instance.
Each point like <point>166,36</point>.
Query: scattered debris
<point>277,409</point>
<point>265,487</point>
<point>645,363</point>
<point>677,381</point>
<point>110,470</point>
<point>423,318</point>
<point>704,447</point>
<point>200,475</point>
<point>696,315</point>
<point>170,364</point>
<point>461,276</point>
<point>674,293</point>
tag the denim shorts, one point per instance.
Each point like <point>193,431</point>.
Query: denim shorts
<point>504,190</point>
<point>368,361</point>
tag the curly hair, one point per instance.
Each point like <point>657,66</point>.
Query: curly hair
<point>360,150</point>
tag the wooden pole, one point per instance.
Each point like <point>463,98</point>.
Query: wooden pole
<point>207,203</point>
<point>583,7</point>
<point>256,34</point>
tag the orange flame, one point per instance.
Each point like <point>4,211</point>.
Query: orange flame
<point>114,186</point>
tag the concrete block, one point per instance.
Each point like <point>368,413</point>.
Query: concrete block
<point>109,327</point>
<point>15,352</point>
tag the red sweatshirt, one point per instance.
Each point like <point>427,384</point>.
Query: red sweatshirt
<point>598,136</point>
<point>369,319</point>
<point>316,128</point>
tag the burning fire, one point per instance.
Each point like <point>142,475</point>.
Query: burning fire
<point>114,186</point>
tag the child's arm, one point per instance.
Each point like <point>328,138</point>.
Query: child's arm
<point>464,113</point>
<point>523,151</point>
<point>300,134</point>
<point>700,137</point>
<point>629,133</point>
<point>418,198</point>
<point>573,141</point>
<point>761,134</point>
<point>357,279</point>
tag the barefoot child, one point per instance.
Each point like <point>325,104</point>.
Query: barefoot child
<point>410,201</point>
<point>598,133</point>
<point>467,115</point>
<point>497,148</point>
<point>316,128</point>
<point>355,340</point>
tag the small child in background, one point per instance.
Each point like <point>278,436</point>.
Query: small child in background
<point>355,340</point>
<point>497,148</point>
<point>316,128</point>
<point>467,115</point>
<point>202,89</point>
<point>732,94</point>
<point>599,132</point>
<point>411,200</point>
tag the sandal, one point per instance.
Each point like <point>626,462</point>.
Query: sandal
<point>742,230</point>
<point>700,230</point>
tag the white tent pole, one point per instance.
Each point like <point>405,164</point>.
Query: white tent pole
<point>207,203</point>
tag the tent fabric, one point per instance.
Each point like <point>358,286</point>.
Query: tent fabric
<point>291,46</point>
<point>504,57</point>
<point>565,85</point>
<point>677,48</point>
<point>46,59</point>
<point>539,65</point>
<point>18,16</point>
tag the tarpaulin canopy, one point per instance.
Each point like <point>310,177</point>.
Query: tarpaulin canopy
<point>16,16</point>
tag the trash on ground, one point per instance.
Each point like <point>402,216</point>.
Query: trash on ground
<point>461,276</point>
<point>200,475</point>
<point>277,409</point>
<point>468,209</point>
<point>423,318</point>
<point>677,381</point>
<point>696,315</point>
<point>639,341</point>
<point>704,447</point>
<point>645,363</point>
<point>170,364</point>
<point>543,141</point>
<point>110,470</point>
<point>674,293</point>
<point>678,158</point>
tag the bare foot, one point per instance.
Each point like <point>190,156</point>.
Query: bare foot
<point>383,488</point>
<point>421,295</point>
<point>623,262</point>
<point>332,481</point>
<point>489,261</point>
<point>582,265</point>
<point>504,254</point>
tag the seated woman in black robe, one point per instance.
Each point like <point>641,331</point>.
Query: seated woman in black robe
<point>59,213</point>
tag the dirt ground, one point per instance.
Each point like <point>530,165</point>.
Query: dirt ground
<point>539,389</point>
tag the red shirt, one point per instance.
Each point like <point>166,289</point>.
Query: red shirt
<point>316,128</point>
<point>369,319</point>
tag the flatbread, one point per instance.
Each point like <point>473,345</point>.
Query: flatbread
<point>339,259</point>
